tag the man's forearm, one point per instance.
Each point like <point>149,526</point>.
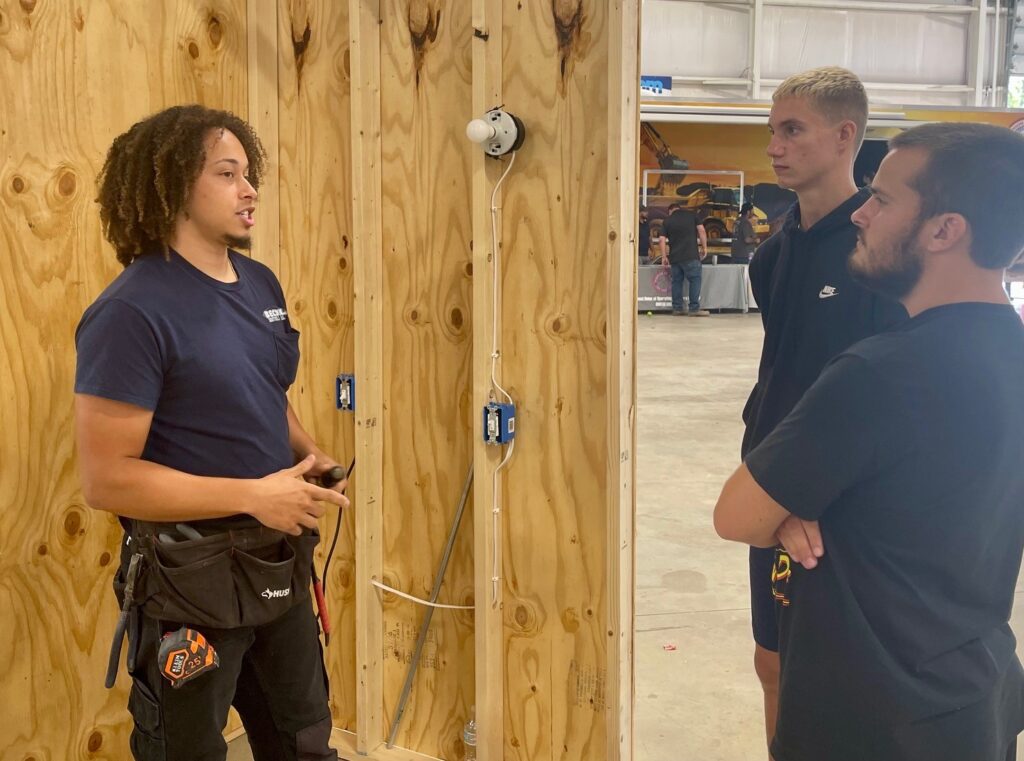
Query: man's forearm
<point>144,490</point>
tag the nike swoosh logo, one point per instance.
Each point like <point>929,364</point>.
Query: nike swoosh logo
<point>828,292</point>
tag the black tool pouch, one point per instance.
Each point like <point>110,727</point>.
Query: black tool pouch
<point>223,581</point>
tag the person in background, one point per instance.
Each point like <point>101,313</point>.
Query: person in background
<point>744,240</point>
<point>896,484</point>
<point>811,307</point>
<point>643,238</point>
<point>684,245</point>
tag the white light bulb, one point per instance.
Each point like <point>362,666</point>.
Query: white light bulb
<point>479,131</point>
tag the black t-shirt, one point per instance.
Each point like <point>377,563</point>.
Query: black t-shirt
<point>742,232</point>
<point>643,242</point>
<point>812,309</point>
<point>681,230</point>
<point>212,361</point>
<point>909,451</point>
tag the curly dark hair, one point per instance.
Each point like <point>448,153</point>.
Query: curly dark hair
<point>150,170</point>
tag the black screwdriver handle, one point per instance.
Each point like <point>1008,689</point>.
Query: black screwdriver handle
<point>333,476</point>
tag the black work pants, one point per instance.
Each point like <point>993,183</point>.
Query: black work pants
<point>272,674</point>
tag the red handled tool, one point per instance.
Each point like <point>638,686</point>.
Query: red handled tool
<point>327,480</point>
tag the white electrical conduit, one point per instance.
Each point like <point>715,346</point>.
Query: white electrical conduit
<point>419,600</point>
<point>496,386</point>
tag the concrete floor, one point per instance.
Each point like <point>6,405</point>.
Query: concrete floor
<point>700,700</point>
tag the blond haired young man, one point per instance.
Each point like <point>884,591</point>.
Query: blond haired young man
<point>811,307</point>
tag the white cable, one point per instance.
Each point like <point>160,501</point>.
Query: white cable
<point>495,354</point>
<point>429,604</point>
<point>496,264</point>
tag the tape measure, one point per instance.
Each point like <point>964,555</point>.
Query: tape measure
<point>185,654</point>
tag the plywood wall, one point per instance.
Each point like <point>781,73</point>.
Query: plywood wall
<point>74,75</point>
<point>376,216</point>
<point>554,332</point>
<point>425,253</point>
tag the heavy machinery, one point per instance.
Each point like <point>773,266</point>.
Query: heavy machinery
<point>721,212</point>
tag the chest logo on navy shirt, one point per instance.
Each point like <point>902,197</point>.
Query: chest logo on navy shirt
<point>828,292</point>
<point>275,315</point>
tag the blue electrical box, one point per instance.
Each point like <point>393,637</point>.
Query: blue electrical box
<point>499,423</point>
<point>345,392</point>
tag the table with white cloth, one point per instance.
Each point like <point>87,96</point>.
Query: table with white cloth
<point>723,286</point>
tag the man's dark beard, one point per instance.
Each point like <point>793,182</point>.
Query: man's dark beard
<point>238,243</point>
<point>904,270</point>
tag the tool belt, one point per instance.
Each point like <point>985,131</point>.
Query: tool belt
<point>228,580</point>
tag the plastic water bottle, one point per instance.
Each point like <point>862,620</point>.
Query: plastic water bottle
<point>469,737</point>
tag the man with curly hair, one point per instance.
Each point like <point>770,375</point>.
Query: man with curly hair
<point>185,432</point>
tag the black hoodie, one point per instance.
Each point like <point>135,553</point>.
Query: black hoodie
<point>812,309</point>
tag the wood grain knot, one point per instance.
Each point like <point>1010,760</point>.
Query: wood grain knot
<point>73,523</point>
<point>560,324</point>
<point>332,309</point>
<point>456,318</point>
<point>344,241</point>
<point>424,23</point>
<point>79,20</point>
<point>18,184</point>
<point>193,49</point>
<point>414,316</point>
<point>95,742</point>
<point>299,45</point>
<point>215,30</point>
<point>42,549</point>
<point>570,620</point>
<point>468,269</point>
<point>344,577</point>
<point>613,235</point>
<point>524,617</point>
<point>67,183</point>
<point>299,307</point>
<point>28,5</point>
<point>104,559</point>
<point>342,263</point>
<point>568,16</point>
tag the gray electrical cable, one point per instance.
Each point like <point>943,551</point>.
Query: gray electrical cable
<point>429,615</point>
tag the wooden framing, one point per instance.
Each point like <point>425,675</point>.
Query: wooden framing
<point>490,669</point>
<point>623,160</point>
<point>364,51</point>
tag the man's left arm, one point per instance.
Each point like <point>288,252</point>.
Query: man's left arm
<point>303,445</point>
<point>832,440</point>
<point>702,241</point>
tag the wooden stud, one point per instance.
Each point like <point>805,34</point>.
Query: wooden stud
<point>490,667</point>
<point>364,51</point>
<point>262,55</point>
<point>623,160</point>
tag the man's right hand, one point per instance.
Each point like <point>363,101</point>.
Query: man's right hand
<point>285,502</point>
<point>801,540</point>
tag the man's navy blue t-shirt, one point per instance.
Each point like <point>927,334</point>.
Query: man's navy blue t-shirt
<point>212,360</point>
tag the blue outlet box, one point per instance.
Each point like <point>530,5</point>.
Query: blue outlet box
<point>345,392</point>
<point>499,423</point>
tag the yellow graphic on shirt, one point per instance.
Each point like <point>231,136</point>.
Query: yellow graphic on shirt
<point>781,573</point>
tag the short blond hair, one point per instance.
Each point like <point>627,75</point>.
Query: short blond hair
<point>836,92</point>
